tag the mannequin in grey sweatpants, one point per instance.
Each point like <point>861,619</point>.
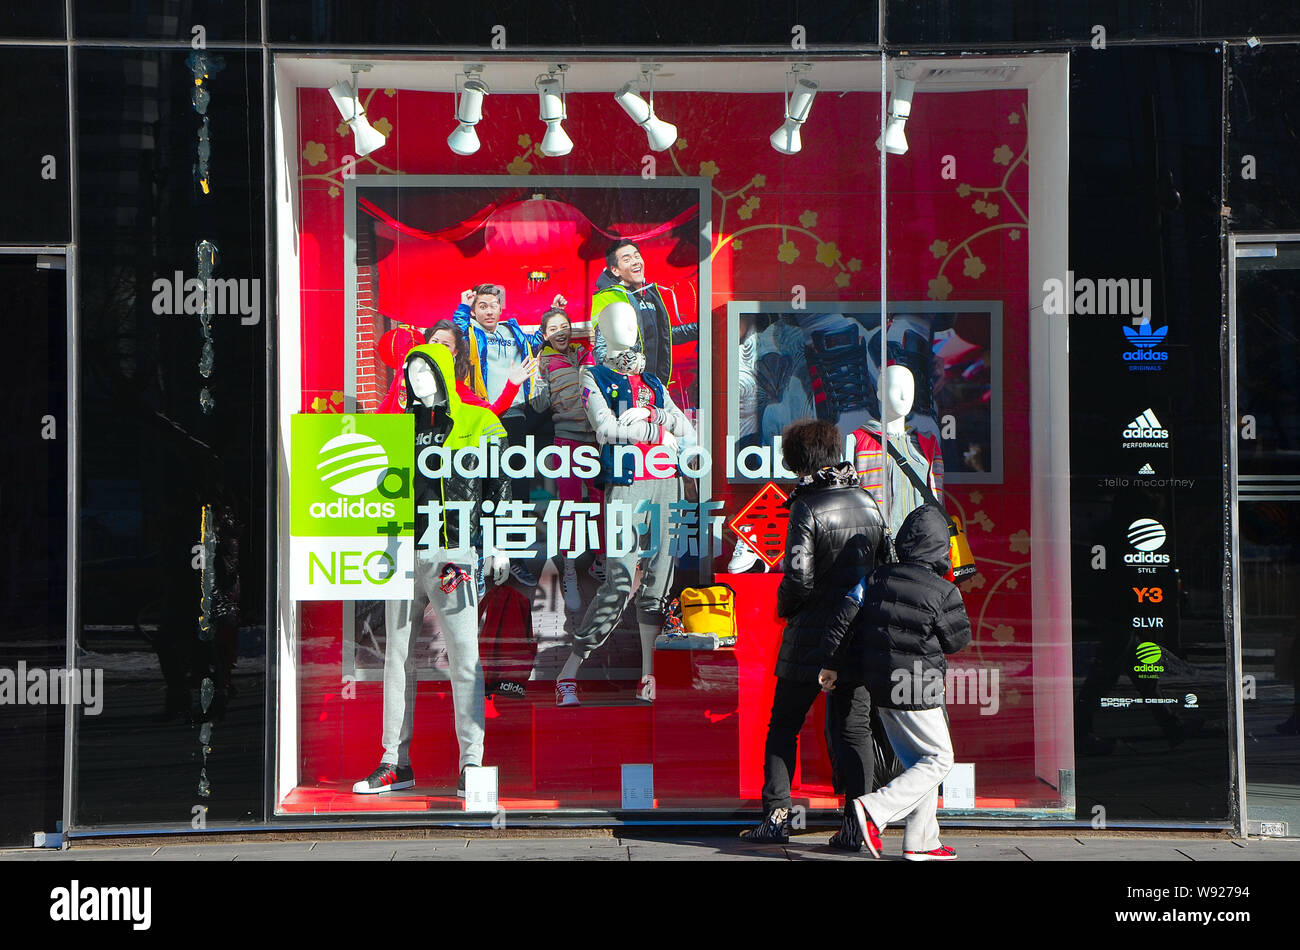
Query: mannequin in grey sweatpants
<point>442,421</point>
<point>657,423</point>
<point>457,616</point>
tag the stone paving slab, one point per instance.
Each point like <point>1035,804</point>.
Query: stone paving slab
<point>810,847</point>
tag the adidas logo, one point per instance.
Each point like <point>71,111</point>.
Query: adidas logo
<point>1146,469</point>
<point>1146,432</point>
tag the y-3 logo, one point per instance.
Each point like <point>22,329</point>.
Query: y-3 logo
<point>1149,595</point>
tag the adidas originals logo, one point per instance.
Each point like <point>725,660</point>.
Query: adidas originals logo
<point>1146,469</point>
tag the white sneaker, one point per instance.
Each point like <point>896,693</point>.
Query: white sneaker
<point>572,596</point>
<point>743,558</point>
<point>566,693</point>
<point>646,689</point>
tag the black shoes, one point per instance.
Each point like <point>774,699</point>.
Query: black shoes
<point>386,778</point>
<point>849,837</point>
<point>775,829</point>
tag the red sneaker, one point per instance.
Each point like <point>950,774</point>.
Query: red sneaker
<point>941,853</point>
<point>870,833</point>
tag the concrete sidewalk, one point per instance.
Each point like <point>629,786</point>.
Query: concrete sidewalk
<point>630,846</point>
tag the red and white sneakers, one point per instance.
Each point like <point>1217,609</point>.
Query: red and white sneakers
<point>566,693</point>
<point>941,853</point>
<point>645,690</point>
<point>870,833</point>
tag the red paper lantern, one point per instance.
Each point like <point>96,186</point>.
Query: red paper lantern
<point>395,344</point>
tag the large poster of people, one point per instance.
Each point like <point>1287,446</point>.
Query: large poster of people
<point>823,362</point>
<point>510,279</point>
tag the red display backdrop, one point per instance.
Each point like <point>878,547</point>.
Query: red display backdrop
<point>958,230</point>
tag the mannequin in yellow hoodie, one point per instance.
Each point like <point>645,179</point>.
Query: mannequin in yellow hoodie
<point>446,558</point>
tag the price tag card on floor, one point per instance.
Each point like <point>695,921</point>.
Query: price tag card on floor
<point>638,786</point>
<point>959,786</point>
<point>481,788</point>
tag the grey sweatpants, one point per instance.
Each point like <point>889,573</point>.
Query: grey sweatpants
<point>457,615</point>
<point>921,741</point>
<point>657,570</point>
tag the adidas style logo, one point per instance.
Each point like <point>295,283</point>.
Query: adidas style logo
<point>1146,469</point>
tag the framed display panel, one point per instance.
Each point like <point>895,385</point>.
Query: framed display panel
<point>824,362</point>
<point>412,241</point>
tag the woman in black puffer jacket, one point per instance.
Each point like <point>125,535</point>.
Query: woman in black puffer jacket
<point>894,629</point>
<point>836,535</point>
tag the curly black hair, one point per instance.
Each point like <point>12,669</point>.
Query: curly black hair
<point>810,445</point>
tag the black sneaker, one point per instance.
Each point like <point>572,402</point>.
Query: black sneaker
<point>460,786</point>
<point>849,837</point>
<point>837,368</point>
<point>775,829</point>
<point>386,778</point>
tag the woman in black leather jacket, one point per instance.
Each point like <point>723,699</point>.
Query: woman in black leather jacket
<point>836,535</point>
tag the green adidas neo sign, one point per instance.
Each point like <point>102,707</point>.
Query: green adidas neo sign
<point>351,510</point>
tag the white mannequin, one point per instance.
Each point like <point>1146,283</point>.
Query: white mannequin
<point>618,326</point>
<point>897,392</point>
<point>424,385</point>
<point>877,471</point>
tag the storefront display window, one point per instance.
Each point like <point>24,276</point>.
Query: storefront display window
<point>748,279</point>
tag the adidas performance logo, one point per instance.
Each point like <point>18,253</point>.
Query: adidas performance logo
<point>1146,469</point>
<point>1146,426</point>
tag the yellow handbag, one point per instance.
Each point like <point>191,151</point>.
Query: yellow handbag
<point>709,610</point>
<point>963,562</point>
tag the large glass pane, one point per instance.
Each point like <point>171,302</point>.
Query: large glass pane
<point>562,25</point>
<point>960,144</point>
<point>739,239</point>
<point>37,208</point>
<point>173,476</point>
<point>910,22</point>
<point>34,517</point>
<point>212,21</point>
<point>1268,491</point>
<point>33,21</point>
<point>1146,415</point>
<point>1261,193</point>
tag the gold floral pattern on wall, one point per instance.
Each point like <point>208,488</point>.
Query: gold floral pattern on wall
<point>1005,205</point>
<point>315,153</point>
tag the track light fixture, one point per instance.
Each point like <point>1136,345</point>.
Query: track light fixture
<point>786,139</point>
<point>552,111</point>
<point>660,133</point>
<point>468,97</point>
<point>900,107</point>
<point>366,137</point>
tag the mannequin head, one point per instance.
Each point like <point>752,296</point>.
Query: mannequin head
<point>424,382</point>
<point>618,325</point>
<point>897,391</point>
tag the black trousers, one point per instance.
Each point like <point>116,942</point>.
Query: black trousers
<point>848,737</point>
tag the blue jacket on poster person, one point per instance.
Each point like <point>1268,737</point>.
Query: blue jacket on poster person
<point>892,631</point>
<point>477,336</point>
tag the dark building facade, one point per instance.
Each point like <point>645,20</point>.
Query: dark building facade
<point>1087,255</point>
